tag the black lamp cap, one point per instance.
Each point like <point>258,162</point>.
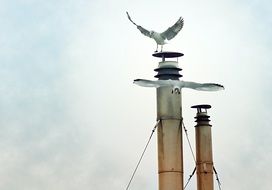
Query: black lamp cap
<point>167,54</point>
<point>202,106</point>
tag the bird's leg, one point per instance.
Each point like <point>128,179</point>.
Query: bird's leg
<point>157,48</point>
<point>161,47</point>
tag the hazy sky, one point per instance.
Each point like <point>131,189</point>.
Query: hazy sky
<point>71,118</point>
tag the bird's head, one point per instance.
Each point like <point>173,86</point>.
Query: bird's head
<point>176,90</point>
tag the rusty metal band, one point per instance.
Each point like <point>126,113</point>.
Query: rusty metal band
<point>169,171</point>
<point>169,118</point>
<point>204,172</point>
<point>198,163</point>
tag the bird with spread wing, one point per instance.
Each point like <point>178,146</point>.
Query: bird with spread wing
<point>161,38</point>
<point>178,85</point>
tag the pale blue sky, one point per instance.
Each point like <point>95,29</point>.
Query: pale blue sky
<point>72,119</point>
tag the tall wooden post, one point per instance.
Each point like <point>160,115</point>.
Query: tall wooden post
<point>204,159</point>
<point>170,152</point>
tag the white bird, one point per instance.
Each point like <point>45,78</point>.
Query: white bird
<point>178,85</point>
<point>160,38</point>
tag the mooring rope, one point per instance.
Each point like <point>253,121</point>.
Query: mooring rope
<point>193,155</point>
<point>142,155</point>
<point>188,140</point>
<point>189,178</point>
<point>191,149</point>
<point>217,178</point>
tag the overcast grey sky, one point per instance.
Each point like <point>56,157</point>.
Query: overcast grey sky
<point>71,118</point>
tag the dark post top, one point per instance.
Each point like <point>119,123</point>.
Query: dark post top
<point>201,117</point>
<point>168,72</point>
<point>201,106</point>
<point>167,54</point>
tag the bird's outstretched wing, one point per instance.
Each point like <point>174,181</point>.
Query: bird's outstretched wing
<point>131,19</point>
<point>172,31</point>
<point>150,83</point>
<point>142,30</point>
<point>180,84</point>
<point>203,86</point>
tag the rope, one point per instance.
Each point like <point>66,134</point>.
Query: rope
<point>141,157</point>
<point>217,178</point>
<point>190,178</point>
<point>185,130</point>
<point>191,149</point>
